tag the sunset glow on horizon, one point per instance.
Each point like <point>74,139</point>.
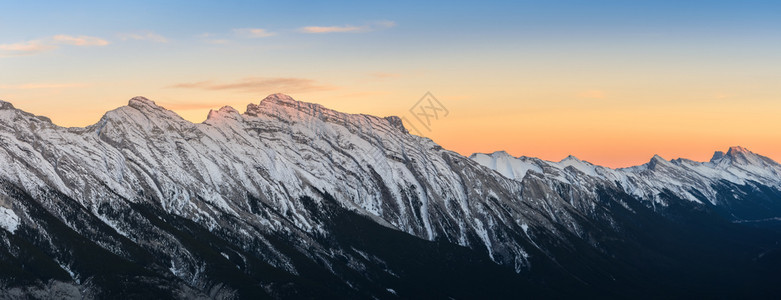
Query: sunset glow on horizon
<point>610,82</point>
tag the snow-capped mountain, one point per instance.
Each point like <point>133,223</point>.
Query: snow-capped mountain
<point>291,199</point>
<point>714,182</point>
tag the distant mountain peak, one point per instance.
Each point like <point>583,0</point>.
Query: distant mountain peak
<point>279,97</point>
<point>397,123</point>
<point>500,153</point>
<point>717,156</point>
<point>739,152</point>
<point>228,109</point>
<point>739,155</point>
<point>6,105</point>
<point>738,149</point>
<point>222,112</point>
<point>280,102</point>
<point>281,106</point>
<point>139,101</point>
<point>656,161</point>
<point>570,158</point>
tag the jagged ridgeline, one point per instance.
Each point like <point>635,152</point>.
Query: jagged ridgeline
<point>294,200</point>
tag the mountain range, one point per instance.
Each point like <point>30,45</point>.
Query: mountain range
<point>294,200</point>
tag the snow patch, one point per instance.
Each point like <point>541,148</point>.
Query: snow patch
<point>70,273</point>
<point>8,219</point>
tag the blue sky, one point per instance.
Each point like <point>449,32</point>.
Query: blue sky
<point>487,19</point>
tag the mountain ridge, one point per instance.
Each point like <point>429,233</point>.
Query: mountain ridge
<point>286,100</point>
<point>271,189</point>
<point>732,151</point>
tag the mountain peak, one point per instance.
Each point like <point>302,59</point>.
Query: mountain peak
<point>734,150</point>
<point>740,155</point>
<point>278,100</point>
<point>570,158</point>
<point>397,123</point>
<point>139,102</point>
<point>734,154</point>
<point>717,156</point>
<point>222,112</point>
<point>281,106</point>
<point>655,161</point>
<point>278,97</point>
<point>495,154</point>
<point>6,105</point>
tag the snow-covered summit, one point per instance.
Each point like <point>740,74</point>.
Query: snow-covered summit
<point>687,179</point>
<point>223,113</point>
<point>570,158</point>
<point>657,161</point>
<point>742,156</point>
<point>284,107</point>
<point>279,97</point>
<point>140,100</point>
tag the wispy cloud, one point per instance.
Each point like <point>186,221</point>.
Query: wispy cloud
<point>47,44</point>
<point>592,94</point>
<point>347,28</point>
<point>330,29</point>
<point>253,32</point>
<point>261,85</point>
<point>145,36</point>
<point>36,86</point>
<point>81,40</point>
<point>25,48</point>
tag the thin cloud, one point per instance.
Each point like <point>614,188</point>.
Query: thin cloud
<point>25,48</point>
<point>347,28</point>
<point>260,85</point>
<point>331,29</point>
<point>47,44</point>
<point>81,40</point>
<point>254,32</point>
<point>146,36</point>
